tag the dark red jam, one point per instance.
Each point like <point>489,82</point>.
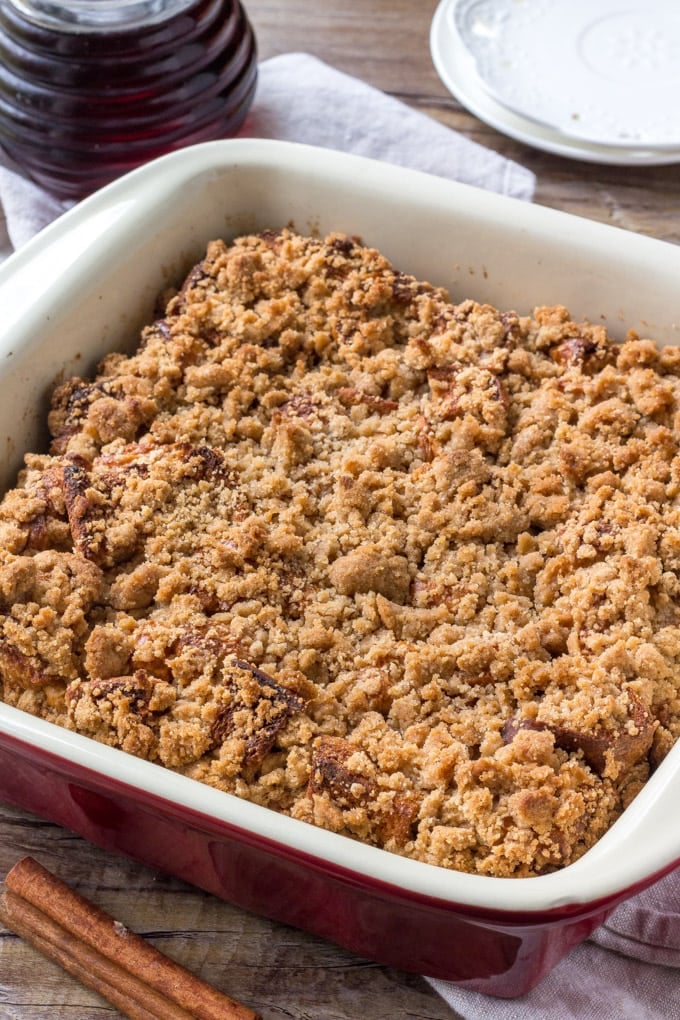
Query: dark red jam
<point>82,103</point>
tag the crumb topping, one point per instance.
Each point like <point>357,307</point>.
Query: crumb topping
<point>399,567</point>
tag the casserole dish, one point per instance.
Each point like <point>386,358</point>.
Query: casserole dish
<point>83,288</point>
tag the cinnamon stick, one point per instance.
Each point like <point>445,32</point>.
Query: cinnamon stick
<point>134,976</point>
<point>82,962</point>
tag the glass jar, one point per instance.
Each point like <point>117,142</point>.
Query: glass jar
<point>93,88</point>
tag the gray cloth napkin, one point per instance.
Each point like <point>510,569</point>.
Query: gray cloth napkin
<point>24,208</point>
<point>304,100</point>
<point>628,969</point>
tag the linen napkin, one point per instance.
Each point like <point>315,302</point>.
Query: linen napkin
<point>630,969</point>
<point>301,99</point>
<point>304,100</point>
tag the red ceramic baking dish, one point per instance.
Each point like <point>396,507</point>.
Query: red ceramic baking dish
<point>84,287</point>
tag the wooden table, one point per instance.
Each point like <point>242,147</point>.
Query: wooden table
<point>282,972</point>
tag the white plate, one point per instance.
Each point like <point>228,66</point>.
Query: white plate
<point>465,36</point>
<point>606,73</point>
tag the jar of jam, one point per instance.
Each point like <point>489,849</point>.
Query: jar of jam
<point>93,88</point>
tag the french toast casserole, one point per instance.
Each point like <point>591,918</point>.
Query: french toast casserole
<point>403,568</point>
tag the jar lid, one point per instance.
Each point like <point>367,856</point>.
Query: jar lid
<point>98,15</point>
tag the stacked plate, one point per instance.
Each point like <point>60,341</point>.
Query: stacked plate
<point>597,81</point>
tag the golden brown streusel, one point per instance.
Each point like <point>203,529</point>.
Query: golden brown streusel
<point>399,567</point>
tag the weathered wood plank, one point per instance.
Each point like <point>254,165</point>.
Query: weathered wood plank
<point>278,970</point>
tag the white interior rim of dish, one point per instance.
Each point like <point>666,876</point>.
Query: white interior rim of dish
<point>606,73</point>
<point>458,72</point>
